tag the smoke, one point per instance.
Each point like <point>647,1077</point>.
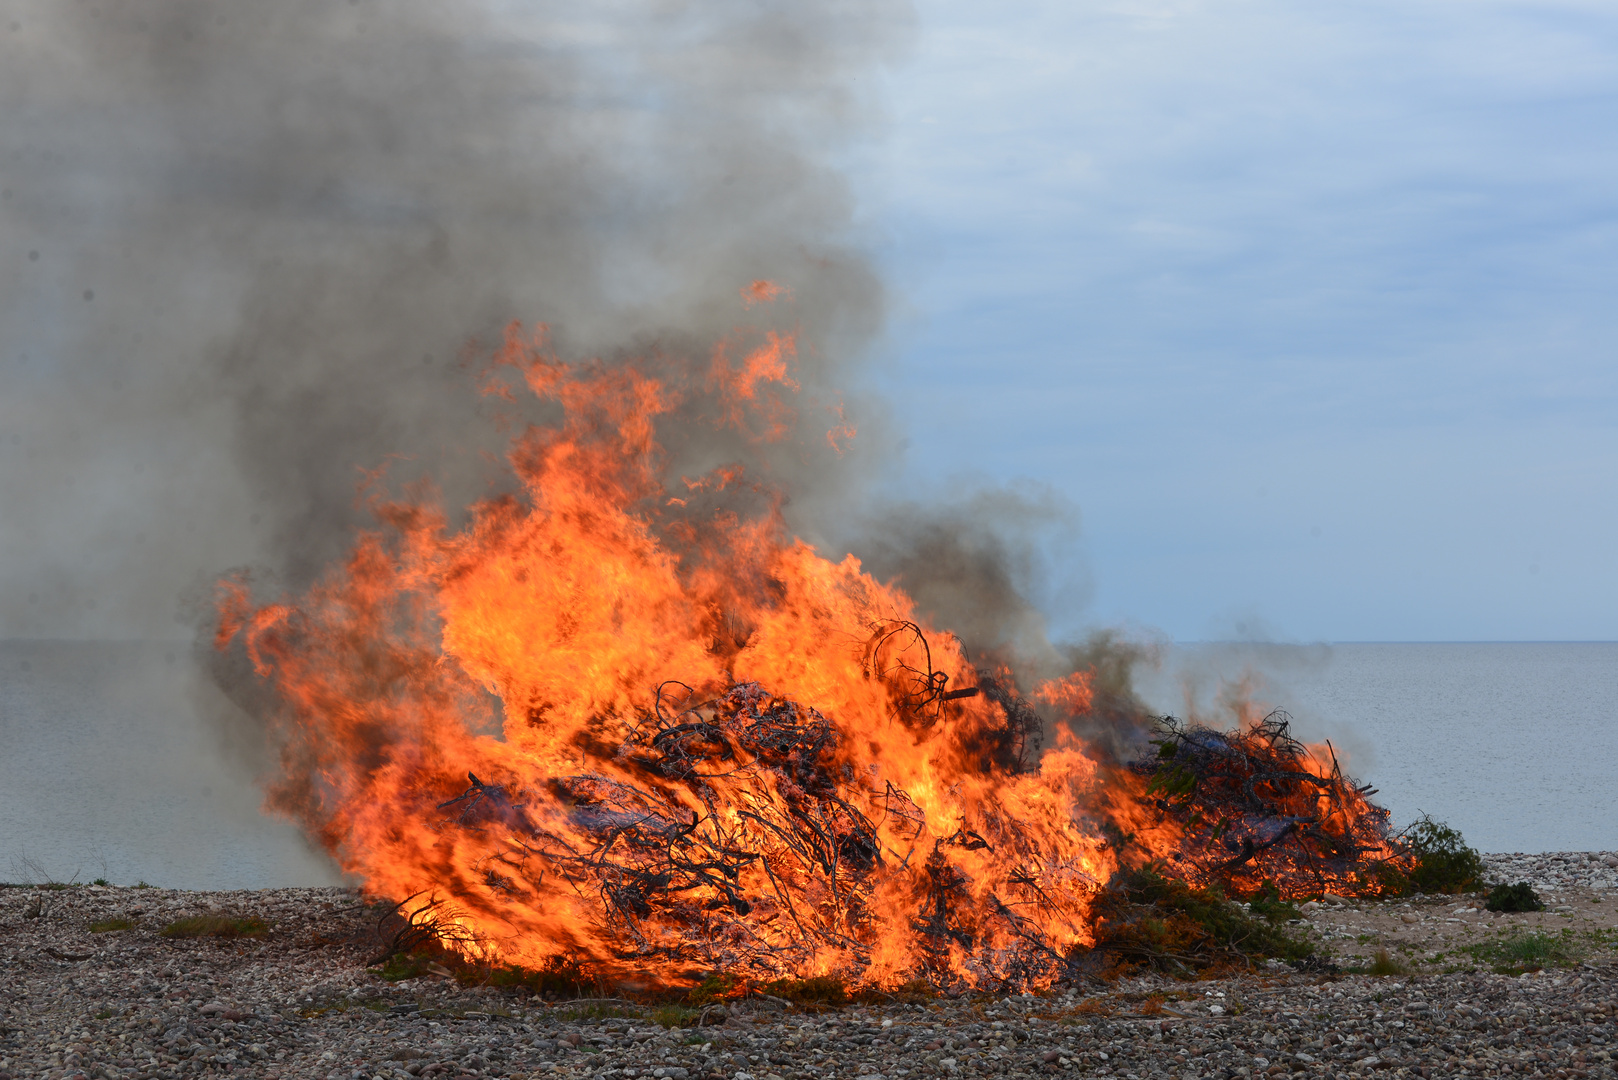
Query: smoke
<point>249,252</point>
<point>244,246</point>
<point>982,565</point>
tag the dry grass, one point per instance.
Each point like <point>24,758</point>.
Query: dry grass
<point>1383,964</point>
<point>220,926</point>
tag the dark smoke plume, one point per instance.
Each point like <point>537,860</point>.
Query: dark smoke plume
<point>249,250</point>
<point>244,246</point>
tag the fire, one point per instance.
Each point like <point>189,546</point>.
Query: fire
<point>616,718</point>
<point>624,717</point>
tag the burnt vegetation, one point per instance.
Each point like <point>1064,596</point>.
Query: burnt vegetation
<point>1260,821</point>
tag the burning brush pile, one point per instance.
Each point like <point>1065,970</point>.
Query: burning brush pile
<point>638,727</point>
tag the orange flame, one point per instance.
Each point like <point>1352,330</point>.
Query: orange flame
<point>643,824</point>
<point>761,292</point>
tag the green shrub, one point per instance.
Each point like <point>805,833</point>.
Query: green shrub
<point>1518,897</point>
<point>111,926</point>
<point>1269,905</point>
<point>221,926</point>
<point>1159,920</point>
<point>1444,864</point>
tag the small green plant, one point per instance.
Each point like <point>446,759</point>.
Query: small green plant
<point>402,966</point>
<point>1383,964</point>
<point>220,926</point>
<point>1443,862</point>
<point>111,926</point>
<point>1518,897</point>
<point>142,885</point>
<point>676,1016</point>
<point>104,1014</point>
<point>100,881</point>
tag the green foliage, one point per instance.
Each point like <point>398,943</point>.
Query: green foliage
<point>717,986</point>
<point>558,976</point>
<point>1444,864</point>
<point>1518,897</point>
<point>1172,780</point>
<point>676,1016</point>
<point>823,990</point>
<point>99,881</point>
<point>220,926</point>
<point>1161,921</point>
<point>1269,905</point>
<point>402,966</point>
<point>111,926</point>
<point>1530,951</point>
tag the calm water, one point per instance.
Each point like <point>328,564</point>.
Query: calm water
<point>107,771</point>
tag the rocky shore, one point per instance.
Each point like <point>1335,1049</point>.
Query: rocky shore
<point>89,987</point>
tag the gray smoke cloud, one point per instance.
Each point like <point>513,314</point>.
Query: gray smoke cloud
<point>983,563</point>
<point>244,246</point>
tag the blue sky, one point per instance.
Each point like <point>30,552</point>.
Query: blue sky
<point>1308,309</point>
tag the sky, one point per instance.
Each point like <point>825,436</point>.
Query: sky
<point>1306,310</point>
<point>1294,322</point>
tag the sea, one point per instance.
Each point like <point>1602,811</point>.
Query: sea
<point>120,762</point>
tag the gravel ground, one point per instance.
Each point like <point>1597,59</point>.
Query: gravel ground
<point>299,1003</point>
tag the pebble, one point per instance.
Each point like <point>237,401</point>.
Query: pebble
<point>299,1004</point>
<point>1557,870</point>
